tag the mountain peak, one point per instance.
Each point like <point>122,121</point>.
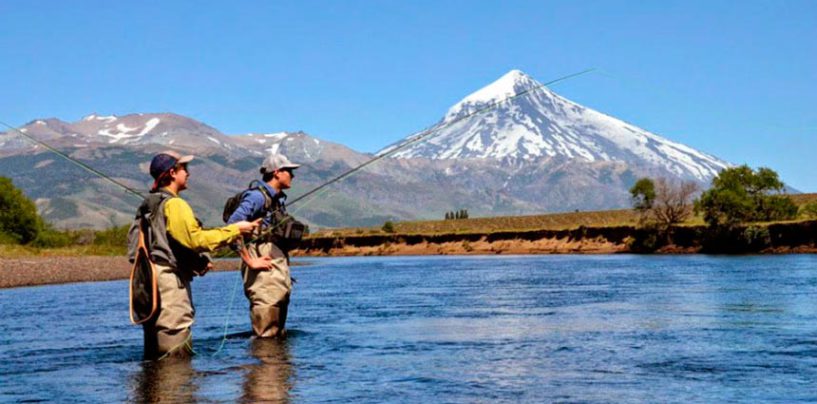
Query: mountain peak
<point>542,125</point>
<point>510,84</point>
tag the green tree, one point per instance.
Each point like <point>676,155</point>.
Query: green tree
<point>388,227</point>
<point>643,194</point>
<point>740,195</point>
<point>18,215</point>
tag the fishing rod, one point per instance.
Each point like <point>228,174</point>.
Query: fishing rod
<point>423,135</point>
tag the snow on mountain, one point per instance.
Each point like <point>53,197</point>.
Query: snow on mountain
<point>299,147</point>
<point>161,130</point>
<point>491,124</point>
<point>128,134</point>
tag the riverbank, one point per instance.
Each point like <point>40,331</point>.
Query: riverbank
<point>778,238</point>
<point>535,242</point>
<point>47,270</point>
<point>773,238</point>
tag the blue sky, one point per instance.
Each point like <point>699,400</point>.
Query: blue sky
<point>734,79</point>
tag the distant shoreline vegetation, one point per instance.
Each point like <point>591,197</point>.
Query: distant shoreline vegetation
<point>745,211</point>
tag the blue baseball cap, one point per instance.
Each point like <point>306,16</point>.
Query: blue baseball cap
<point>163,162</point>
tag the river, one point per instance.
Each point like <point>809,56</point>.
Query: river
<point>608,328</point>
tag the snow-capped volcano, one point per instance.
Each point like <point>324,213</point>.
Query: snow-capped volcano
<point>492,123</point>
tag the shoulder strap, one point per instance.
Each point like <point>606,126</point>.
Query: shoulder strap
<point>255,184</point>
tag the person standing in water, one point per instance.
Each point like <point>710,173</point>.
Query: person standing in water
<point>267,284</point>
<point>177,248</point>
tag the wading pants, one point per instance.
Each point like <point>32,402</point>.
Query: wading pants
<point>168,333</point>
<point>268,291</point>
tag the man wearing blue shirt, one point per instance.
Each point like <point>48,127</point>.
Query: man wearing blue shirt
<point>267,282</point>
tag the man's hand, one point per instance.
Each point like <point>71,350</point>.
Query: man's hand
<point>246,227</point>
<point>260,263</point>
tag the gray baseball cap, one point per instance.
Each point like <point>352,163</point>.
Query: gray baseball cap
<point>277,161</point>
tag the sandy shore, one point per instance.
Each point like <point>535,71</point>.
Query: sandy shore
<point>32,271</point>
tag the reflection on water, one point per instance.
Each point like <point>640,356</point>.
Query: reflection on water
<point>167,379</point>
<point>443,329</point>
<point>266,379</point>
<point>269,379</point>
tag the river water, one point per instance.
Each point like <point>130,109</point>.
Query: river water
<point>444,329</point>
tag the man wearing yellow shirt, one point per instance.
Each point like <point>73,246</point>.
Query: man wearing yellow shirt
<point>177,246</point>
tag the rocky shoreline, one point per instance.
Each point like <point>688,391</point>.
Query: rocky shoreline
<point>35,271</point>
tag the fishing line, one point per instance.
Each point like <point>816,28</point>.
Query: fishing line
<point>227,317</point>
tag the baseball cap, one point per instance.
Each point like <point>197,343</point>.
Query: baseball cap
<point>277,161</point>
<point>163,162</point>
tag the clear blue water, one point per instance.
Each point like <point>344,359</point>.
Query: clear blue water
<point>445,329</point>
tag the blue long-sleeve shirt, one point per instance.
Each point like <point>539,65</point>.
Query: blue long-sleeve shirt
<point>251,206</point>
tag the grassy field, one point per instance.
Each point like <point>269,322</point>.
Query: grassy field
<point>552,221</point>
<point>802,199</point>
<point>17,251</point>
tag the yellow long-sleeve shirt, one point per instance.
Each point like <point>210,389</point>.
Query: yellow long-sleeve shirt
<point>184,228</point>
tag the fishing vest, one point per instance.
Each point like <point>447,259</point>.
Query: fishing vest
<point>163,249</point>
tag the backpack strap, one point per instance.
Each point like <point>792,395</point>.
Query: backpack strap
<point>255,184</point>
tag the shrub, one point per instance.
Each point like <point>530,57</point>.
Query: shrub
<point>18,215</point>
<point>757,238</point>
<point>52,238</point>
<point>114,236</point>
<point>388,227</point>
